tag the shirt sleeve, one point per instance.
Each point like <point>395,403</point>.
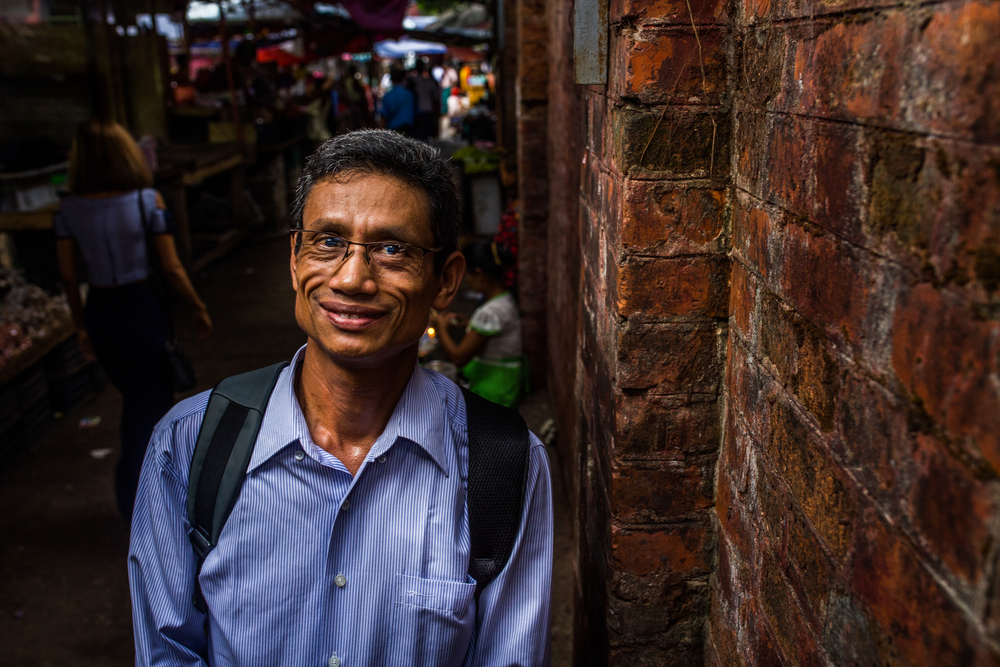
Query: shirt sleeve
<point>156,221</point>
<point>486,320</point>
<point>169,631</point>
<point>513,620</point>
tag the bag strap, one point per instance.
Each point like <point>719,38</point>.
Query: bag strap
<point>498,476</point>
<point>221,455</point>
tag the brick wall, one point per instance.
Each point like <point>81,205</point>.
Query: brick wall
<point>857,491</point>
<point>774,331</point>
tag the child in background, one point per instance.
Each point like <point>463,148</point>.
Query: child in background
<point>490,355</point>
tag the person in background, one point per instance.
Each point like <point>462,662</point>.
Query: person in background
<point>490,355</point>
<point>398,107</point>
<point>426,95</point>
<point>107,219</point>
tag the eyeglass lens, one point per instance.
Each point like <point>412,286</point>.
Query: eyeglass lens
<point>385,258</point>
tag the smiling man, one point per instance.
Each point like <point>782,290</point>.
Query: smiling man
<point>349,542</point>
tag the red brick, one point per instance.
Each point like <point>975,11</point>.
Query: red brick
<point>952,78</point>
<point>670,11</point>
<point>669,358</point>
<point>670,142</point>
<point>687,287</point>
<point>653,427</point>
<point>786,621</point>
<point>751,393</point>
<point>873,435</point>
<point>951,509</point>
<point>825,279</point>
<point>752,227</point>
<point>663,219</point>
<point>839,201</point>
<point>809,569</point>
<point>946,357</point>
<point>789,172</point>
<point>742,298</point>
<point>813,479</point>
<point>851,70</point>
<point>908,604</point>
<point>657,492</point>
<point>669,66</point>
<point>676,549</point>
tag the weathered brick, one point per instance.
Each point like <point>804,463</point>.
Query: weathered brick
<point>825,278</point>
<point>752,226</point>
<point>951,509</point>
<point>952,78</point>
<point>645,492</point>
<point>873,435</point>
<point>676,12</point>
<point>751,393</point>
<point>947,357</point>
<point>650,427</point>
<point>786,621</point>
<point>676,550</point>
<point>839,201</point>
<point>850,69</point>
<point>663,218</point>
<point>669,66</point>
<point>813,479</point>
<point>668,142</point>
<point>742,299</point>
<point>684,287</point>
<point>908,604</point>
<point>669,358</point>
<point>789,174</point>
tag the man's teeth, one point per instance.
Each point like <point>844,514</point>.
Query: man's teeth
<point>351,316</point>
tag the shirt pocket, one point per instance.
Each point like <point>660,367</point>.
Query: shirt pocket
<point>453,596</point>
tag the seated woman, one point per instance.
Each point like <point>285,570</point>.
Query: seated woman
<point>489,355</point>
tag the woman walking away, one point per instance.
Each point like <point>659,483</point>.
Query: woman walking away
<point>112,217</point>
<point>490,353</point>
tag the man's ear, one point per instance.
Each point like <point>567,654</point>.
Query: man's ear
<point>451,278</point>
<point>293,264</point>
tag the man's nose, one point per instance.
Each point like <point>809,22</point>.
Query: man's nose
<point>353,275</point>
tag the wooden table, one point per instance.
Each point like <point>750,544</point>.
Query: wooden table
<point>17,221</point>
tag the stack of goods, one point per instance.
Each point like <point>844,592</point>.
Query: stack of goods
<point>28,316</point>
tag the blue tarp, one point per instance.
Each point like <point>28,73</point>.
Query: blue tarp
<point>393,48</point>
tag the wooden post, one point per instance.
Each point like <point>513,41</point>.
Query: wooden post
<point>228,61</point>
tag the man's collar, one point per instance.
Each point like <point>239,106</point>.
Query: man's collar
<point>417,417</point>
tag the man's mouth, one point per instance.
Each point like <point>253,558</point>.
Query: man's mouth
<point>349,317</point>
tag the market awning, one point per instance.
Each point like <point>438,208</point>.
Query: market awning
<point>400,48</point>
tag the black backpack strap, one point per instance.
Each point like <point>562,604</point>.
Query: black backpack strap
<point>498,477</point>
<point>221,456</point>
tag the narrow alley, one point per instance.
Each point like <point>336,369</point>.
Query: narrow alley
<point>62,563</point>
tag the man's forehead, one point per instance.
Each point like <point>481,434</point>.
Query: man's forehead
<point>342,199</point>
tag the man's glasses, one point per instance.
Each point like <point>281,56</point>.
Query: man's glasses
<point>385,258</point>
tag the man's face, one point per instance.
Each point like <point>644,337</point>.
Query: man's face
<point>357,317</point>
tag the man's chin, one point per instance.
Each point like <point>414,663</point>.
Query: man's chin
<point>365,354</point>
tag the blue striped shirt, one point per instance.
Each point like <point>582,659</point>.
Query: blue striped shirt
<point>316,568</point>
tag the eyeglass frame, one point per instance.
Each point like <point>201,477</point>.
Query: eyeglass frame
<point>368,260</point>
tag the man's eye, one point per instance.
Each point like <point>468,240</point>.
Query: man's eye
<point>392,249</point>
<point>331,242</point>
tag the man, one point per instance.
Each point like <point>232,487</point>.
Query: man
<point>398,105</point>
<point>349,542</point>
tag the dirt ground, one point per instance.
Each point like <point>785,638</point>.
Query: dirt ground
<point>63,585</point>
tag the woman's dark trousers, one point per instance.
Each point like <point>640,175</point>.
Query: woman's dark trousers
<point>128,330</point>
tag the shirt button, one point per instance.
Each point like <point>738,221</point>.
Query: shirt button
<point>299,455</point>
<point>382,458</point>
<point>346,505</point>
<point>341,581</point>
<point>334,661</point>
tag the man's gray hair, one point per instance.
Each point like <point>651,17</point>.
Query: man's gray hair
<point>388,153</point>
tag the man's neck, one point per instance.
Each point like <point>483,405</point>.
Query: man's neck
<point>347,408</point>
